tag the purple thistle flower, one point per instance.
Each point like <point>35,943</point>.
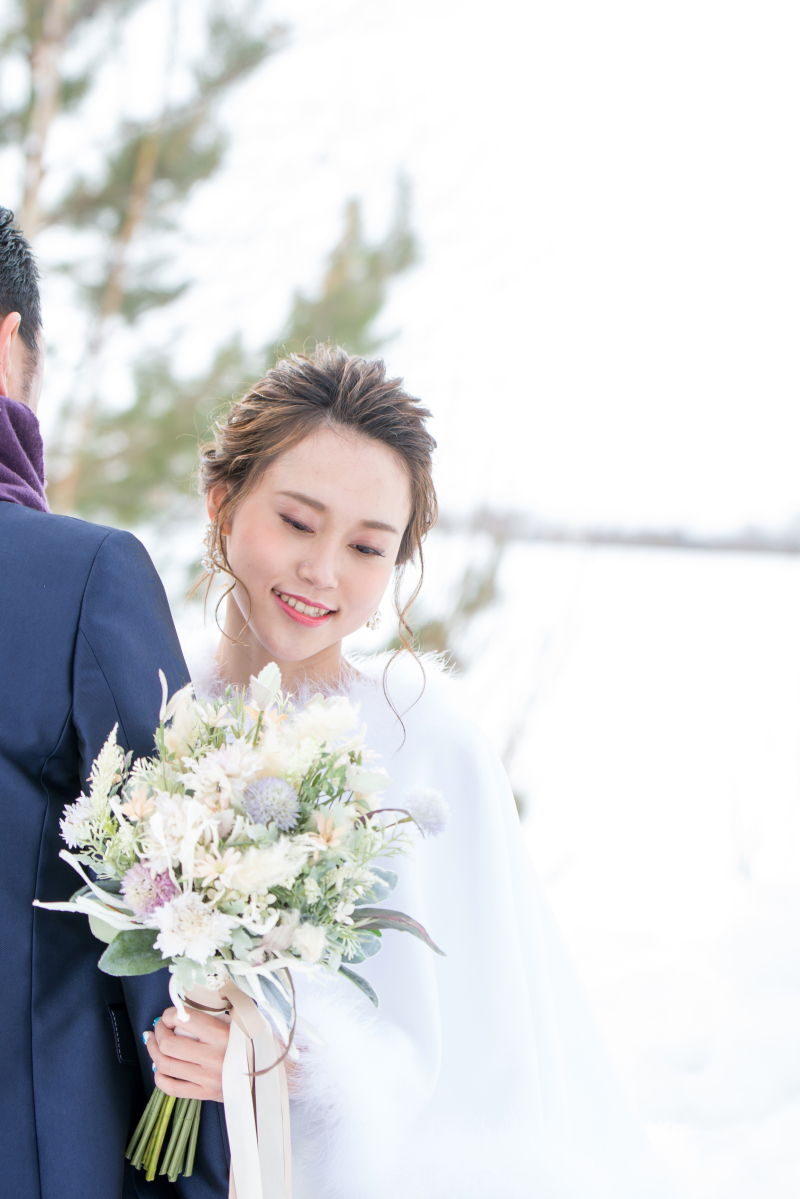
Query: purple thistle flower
<point>272,799</point>
<point>145,892</point>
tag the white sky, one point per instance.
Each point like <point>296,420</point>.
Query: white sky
<point>607,195</point>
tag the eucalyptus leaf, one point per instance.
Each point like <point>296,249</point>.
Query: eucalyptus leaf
<point>380,890</point>
<point>131,952</point>
<point>241,943</point>
<point>111,885</point>
<point>374,918</point>
<point>101,930</point>
<point>277,996</point>
<point>366,946</point>
<point>361,983</point>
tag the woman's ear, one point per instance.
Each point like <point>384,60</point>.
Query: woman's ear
<point>214,500</point>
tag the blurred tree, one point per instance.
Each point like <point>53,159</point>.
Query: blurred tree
<point>354,288</point>
<point>147,171</point>
<point>475,592</point>
<point>138,464</point>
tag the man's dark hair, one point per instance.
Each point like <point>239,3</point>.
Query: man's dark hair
<point>19,283</point>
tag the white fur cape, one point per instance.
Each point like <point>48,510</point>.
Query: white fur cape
<point>481,1075</point>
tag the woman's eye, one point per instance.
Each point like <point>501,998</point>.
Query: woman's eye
<point>369,549</point>
<point>296,524</point>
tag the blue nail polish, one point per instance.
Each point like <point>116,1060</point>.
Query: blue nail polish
<point>155,1022</point>
<point>145,1035</point>
<point>154,1067</point>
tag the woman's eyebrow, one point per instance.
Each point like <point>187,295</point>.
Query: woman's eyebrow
<point>318,506</point>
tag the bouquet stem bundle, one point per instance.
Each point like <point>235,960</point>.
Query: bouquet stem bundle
<point>146,1143</point>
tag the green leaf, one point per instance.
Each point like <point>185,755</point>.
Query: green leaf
<point>131,952</point>
<point>241,943</point>
<point>380,890</point>
<point>374,918</point>
<point>276,995</point>
<point>361,983</point>
<point>111,885</point>
<point>101,930</point>
<point>366,946</point>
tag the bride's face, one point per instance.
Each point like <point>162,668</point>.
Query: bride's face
<point>315,542</point>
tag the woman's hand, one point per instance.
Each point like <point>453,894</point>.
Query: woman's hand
<point>189,1065</point>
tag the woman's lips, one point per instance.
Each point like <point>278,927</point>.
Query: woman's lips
<point>302,617</point>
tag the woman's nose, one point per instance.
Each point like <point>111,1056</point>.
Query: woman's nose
<point>320,569</point>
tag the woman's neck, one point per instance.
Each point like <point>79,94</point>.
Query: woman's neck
<point>240,655</point>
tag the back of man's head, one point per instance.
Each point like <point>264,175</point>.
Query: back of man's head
<point>19,289</point>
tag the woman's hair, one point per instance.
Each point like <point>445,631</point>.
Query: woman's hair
<point>301,394</point>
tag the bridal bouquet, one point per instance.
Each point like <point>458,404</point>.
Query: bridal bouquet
<point>244,850</point>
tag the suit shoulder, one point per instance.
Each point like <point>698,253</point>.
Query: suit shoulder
<point>49,527</point>
<point>65,535</point>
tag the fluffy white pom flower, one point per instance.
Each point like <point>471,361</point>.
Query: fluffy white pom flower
<point>325,719</point>
<point>429,809</point>
<point>189,926</point>
<point>309,941</point>
<point>274,866</point>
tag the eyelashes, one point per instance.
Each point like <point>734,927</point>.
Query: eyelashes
<point>296,524</point>
<point>367,551</point>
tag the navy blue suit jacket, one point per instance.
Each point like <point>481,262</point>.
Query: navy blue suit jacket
<point>84,629</point>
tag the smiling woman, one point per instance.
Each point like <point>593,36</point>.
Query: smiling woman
<point>481,1074</point>
<point>319,488</point>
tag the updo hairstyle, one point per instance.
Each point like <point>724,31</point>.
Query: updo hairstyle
<point>303,393</point>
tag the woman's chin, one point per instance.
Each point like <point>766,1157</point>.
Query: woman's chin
<point>294,648</point>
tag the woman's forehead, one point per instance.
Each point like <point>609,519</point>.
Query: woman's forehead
<point>341,469</point>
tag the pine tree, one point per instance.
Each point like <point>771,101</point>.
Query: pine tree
<point>138,464</point>
<point>149,170</point>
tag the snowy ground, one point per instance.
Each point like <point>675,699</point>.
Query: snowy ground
<point>660,760</point>
<point>648,705</point>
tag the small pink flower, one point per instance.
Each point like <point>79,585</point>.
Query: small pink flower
<point>145,891</point>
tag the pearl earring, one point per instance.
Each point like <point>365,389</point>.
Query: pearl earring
<point>373,622</point>
<point>212,560</point>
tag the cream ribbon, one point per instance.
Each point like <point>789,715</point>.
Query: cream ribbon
<point>256,1108</point>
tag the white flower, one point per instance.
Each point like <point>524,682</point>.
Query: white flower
<point>222,774</point>
<point>264,688</point>
<point>311,888</point>
<point>188,927</point>
<point>325,719</point>
<point>75,822</point>
<point>173,831</point>
<point>428,808</point>
<point>182,733</point>
<point>344,912</point>
<point>106,772</point>
<point>279,937</point>
<point>217,866</point>
<point>309,941</point>
<point>274,866</point>
<point>363,782</point>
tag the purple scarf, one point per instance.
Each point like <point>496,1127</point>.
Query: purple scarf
<point>21,456</point>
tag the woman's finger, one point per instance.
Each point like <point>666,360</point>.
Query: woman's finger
<point>184,1079</point>
<point>209,1030</point>
<point>186,1049</point>
<point>183,1090</point>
